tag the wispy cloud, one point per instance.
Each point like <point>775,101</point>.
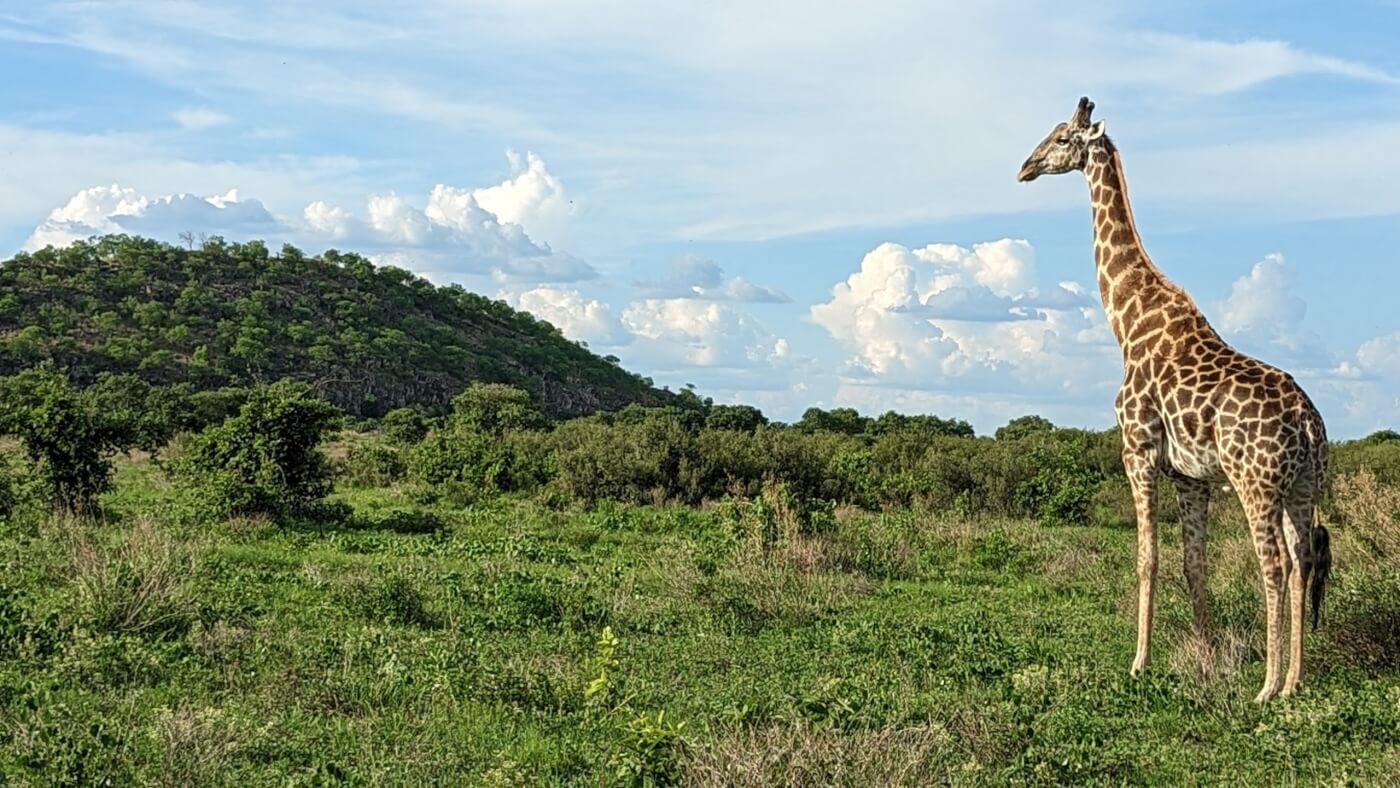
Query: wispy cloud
<point>758,120</point>
<point>200,118</point>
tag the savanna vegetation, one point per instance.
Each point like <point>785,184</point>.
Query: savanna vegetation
<point>223,315</point>
<point>247,584</point>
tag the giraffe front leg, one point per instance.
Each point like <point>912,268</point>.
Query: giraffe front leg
<point>1142,470</point>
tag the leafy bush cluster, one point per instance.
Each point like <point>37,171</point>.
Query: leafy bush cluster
<point>262,455</point>
<point>495,442</point>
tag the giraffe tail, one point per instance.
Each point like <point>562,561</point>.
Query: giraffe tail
<point>1322,567</point>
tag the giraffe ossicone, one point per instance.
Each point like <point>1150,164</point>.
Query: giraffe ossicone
<point>1195,410</point>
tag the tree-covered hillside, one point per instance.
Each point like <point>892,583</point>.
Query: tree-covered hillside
<point>368,338</point>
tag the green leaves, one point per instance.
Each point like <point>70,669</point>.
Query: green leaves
<point>265,459</point>
<point>67,433</point>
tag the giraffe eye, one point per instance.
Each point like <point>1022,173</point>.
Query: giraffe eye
<point>1062,140</point>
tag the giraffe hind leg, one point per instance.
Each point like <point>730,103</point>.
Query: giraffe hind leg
<point>1265,523</point>
<point>1297,534</point>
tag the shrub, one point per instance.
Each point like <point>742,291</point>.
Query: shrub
<point>1063,487</point>
<point>742,418</point>
<point>1372,513</point>
<point>66,433</point>
<point>1378,455</point>
<point>374,464</point>
<point>467,463</point>
<point>404,425</point>
<point>494,409</point>
<point>632,461</point>
<point>265,459</point>
<point>1024,427</point>
<point>9,490</point>
<point>392,600</point>
<point>725,462</point>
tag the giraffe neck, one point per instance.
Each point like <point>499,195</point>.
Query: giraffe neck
<point>1131,286</point>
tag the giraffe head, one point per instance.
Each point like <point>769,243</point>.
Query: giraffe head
<point>1067,146</point>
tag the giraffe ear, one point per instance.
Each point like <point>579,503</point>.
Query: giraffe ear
<point>1096,130</point>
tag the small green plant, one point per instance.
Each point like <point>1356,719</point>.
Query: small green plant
<point>652,747</point>
<point>1063,487</point>
<point>374,464</point>
<point>137,580</point>
<point>602,688</point>
<point>393,600</point>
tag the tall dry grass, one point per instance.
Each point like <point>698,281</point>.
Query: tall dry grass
<point>128,579</point>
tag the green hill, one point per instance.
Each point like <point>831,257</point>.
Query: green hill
<point>369,338</point>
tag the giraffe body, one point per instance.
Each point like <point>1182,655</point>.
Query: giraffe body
<point>1196,410</point>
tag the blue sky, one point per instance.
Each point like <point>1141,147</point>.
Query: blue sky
<point>781,204</point>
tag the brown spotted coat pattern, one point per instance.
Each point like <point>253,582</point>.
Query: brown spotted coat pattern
<point>1198,411</point>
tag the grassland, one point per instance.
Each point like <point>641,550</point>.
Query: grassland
<point>510,644</point>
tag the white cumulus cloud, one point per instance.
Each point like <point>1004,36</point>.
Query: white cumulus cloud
<point>946,324</point>
<point>672,331</point>
<point>115,209</point>
<point>450,237</point>
<point>578,317</point>
<point>1264,315</point>
<point>532,198</point>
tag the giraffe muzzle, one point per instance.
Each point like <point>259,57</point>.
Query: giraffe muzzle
<point>1028,172</point>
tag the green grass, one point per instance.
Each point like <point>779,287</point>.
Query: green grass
<point>424,646</point>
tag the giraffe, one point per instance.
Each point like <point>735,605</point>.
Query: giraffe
<point>1195,410</point>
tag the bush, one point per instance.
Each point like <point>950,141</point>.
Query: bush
<point>9,490</point>
<point>638,460</point>
<point>468,464</point>
<point>404,425</point>
<point>395,599</point>
<point>495,409</point>
<point>265,460</point>
<point>725,462</point>
<point>743,418</point>
<point>374,464</point>
<point>67,434</point>
<point>1024,427</point>
<point>1371,512</point>
<point>1064,486</point>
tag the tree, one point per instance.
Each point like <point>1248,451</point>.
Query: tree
<point>844,420</point>
<point>1024,427</point>
<point>494,409</point>
<point>266,458</point>
<point>891,422</point>
<point>743,418</point>
<point>67,433</point>
<point>404,425</point>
